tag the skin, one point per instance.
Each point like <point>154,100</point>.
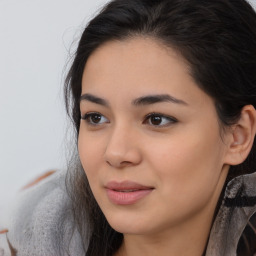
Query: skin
<point>185,160</point>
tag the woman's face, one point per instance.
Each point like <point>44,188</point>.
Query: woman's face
<point>149,139</point>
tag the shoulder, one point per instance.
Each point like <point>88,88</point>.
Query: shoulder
<point>40,221</point>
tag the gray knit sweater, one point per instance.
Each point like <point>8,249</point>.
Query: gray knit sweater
<point>40,223</point>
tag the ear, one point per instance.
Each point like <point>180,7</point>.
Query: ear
<point>241,137</point>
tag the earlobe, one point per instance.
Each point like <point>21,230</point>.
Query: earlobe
<point>242,136</point>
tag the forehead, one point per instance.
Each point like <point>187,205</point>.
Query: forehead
<point>139,66</point>
<point>146,54</point>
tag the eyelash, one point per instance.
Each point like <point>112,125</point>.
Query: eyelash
<point>87,117</point>
<point>170,120</point>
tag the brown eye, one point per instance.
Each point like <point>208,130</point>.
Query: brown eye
<point>95,119</point>
<point>159,120</point>
<point>155,120</point>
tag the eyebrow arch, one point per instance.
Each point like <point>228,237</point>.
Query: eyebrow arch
<point>151,99</point>
<point>141,101</point>
<point>94,99</point>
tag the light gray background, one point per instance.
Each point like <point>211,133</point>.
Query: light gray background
<point>35,39</point>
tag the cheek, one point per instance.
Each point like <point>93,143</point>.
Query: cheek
<point>90,150</point>
<point>187,165</point>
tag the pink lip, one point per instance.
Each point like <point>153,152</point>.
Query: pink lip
<point>127,192</point>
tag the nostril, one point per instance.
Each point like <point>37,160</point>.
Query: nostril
<point>119,164</point>
<point>126,163</point>
<point>122,155</point>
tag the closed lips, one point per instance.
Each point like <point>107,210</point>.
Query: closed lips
<point>127,192</point>
<point>126,186</point>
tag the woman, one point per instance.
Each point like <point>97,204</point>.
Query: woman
<point>162,95</point>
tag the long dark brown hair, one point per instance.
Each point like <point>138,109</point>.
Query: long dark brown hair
<point>218,40</point>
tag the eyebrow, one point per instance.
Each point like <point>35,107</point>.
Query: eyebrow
<point>94,99</point>
<point>151,99</point>
<point>141,101</point>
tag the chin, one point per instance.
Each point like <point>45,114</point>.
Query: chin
<point>128,224</point>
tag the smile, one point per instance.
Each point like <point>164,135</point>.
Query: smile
<point>126,193</point>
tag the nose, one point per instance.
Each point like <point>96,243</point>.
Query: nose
<point>123,149</point>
